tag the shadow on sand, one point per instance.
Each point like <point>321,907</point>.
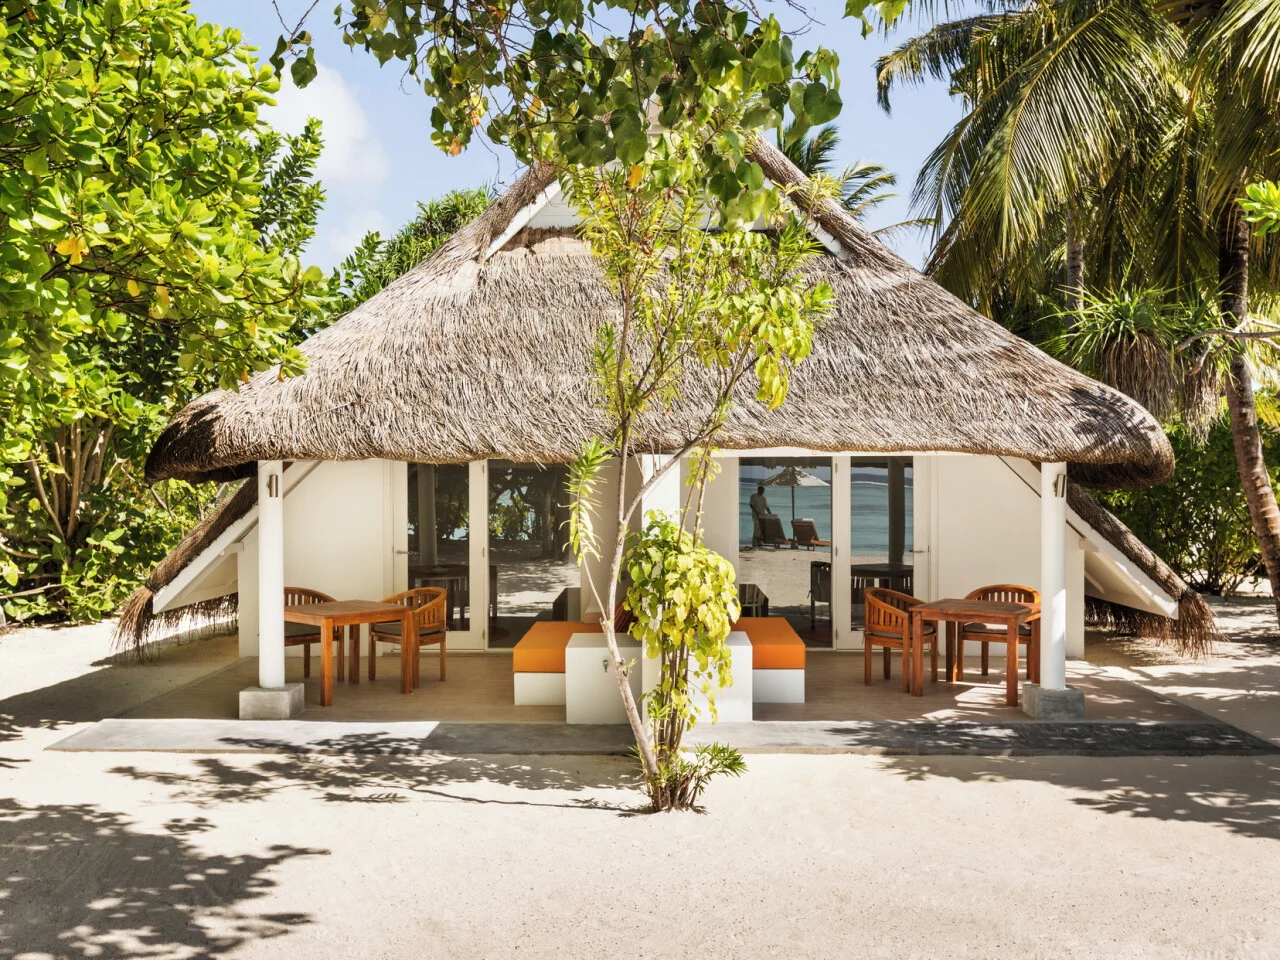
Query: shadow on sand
<point>365,768</point>
<point>82,881</point>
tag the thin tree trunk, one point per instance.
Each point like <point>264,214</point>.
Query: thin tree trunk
<point>1074,289</point>
<point>1233,274</point>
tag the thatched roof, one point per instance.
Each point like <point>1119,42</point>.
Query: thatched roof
<point>477,354</point>
<point>1192,632</point>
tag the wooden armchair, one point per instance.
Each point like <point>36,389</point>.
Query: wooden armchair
<point>888,625</point>
<point>304,634</point>
<point>430,604</point>
<point>987,634</point>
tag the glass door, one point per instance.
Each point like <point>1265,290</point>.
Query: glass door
<point>533,571</point>
<point>881,527</point>
<point>440,544</point>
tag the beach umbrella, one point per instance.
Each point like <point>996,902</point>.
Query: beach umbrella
<point>794,477</point>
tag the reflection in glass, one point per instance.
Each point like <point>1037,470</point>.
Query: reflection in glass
<point>528,542</point>
<point>880,527</point>
<point>784,533</point>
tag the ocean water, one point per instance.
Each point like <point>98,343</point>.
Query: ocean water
<point>869,502</point>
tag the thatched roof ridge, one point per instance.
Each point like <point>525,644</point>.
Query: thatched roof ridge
<point>469,357</point>
<point>1195,628</point>
<point>138,623</point>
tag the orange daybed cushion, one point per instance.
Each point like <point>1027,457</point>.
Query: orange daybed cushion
<point>774,644</point>
<point>541,650</point>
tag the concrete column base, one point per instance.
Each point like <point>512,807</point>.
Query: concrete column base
<point>1046,704</point>
<point>259,704</point>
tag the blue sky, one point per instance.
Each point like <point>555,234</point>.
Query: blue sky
<point>379,160</point>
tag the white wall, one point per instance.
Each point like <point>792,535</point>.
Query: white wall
<point>338,538</point>
<point>987,530</point>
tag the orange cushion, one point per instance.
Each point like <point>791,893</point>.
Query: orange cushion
<point>541,650</point>
<point>774,644</point>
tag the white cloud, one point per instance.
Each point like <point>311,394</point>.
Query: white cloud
<point>342,237</point>
<point>352,153</point>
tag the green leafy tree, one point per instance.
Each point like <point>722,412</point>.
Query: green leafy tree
<point>579,82</point>
<point>151,227</point>
<point>729,307</point>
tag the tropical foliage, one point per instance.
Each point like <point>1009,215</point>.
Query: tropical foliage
<point>151,228</point>
<point>1199,520</point>
<point>1105,144</point>
<point>860,187</point>
<point>579,81</point>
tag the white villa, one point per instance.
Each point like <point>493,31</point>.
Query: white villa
<point>422,447</point>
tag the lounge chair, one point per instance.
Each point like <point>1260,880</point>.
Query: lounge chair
<point>888,623</point>
<point>806,532</point>
<point>772,533</point>
<point>987,634</point>
<point>304,634</point>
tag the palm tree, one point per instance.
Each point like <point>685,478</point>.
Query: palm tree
<point>859,187</point>
<point>1112,136</point>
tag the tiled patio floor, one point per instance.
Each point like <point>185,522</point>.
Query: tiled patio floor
<point>479,689</point>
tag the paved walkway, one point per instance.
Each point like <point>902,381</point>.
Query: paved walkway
<point>885,738</point>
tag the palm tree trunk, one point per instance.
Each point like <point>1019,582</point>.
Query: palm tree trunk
<point>1233,274</point>
<point>1075,266</point>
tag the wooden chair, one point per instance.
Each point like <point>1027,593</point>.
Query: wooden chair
<point>987,634</point>
<point>806,532</point>
<point>888,625</point>
<point>304,634</point>
<point>429,622</point>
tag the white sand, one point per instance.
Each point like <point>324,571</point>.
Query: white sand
<point>169,856</point>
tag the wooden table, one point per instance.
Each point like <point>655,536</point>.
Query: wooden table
<point>952,612</point>
<point>352,613</point>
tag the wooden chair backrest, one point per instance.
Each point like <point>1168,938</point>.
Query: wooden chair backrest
<point>1005,593</point>
<point>887,609</point>
<point>806,531</point>
<point>429,602</point>
<point>293,596</point>
<point>622,618</point>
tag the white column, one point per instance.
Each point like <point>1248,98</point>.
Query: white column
<point>841,546</point>
<point>270,575</point>
<point>427,546</point>
<point>1053,576</point>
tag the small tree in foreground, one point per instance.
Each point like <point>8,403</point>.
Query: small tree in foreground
<point>726,308</point>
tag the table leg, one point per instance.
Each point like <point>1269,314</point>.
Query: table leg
<point>912,625</point>
<point>326,664</point>
<point>353,637</point>
<point>1011,663</point>
<point>917,659</point>
<point>951,651</point>
<point>959,653</point>
<point>408,648</point>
